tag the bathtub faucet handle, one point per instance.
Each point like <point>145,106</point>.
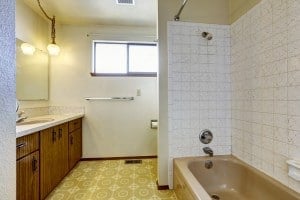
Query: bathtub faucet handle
<point>208,151</point>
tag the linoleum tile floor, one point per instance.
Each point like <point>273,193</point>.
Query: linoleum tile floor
<point>111,180</point>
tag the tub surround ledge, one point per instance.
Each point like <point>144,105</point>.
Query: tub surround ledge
<point>22,130</point>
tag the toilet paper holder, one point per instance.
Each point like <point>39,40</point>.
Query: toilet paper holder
<point>154,124</point>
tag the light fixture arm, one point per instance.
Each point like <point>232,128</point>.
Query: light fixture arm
<point>53,35</point>
<point>53,30</point>
<point>53,49</point>
<point>44,10</point>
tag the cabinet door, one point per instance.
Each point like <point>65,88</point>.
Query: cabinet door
<point>63,152</point>
<point>49,174</point>
<point>75,147</point>
<point>28,177</point>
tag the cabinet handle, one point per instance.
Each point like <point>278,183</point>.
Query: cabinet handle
<point>21,145</point>
<point>60,133</point>
<point>34,164</point>
<point>71,139</point>
<point>53,136</point>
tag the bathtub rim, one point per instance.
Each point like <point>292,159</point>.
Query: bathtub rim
<point>196,188</point>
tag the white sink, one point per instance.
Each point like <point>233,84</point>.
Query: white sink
<point>34,121</point>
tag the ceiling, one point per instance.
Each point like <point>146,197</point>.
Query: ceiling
<point>99,12</point>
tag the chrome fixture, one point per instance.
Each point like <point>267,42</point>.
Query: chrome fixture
<point>207,35</point>
<point>208,151</point>
<point>205,136</point>
<point>208,164</point>
<point>177,16</point>
<point>17,105</point>
<point>20,116</point>
<point>110,98</point>
<point>52,48</point>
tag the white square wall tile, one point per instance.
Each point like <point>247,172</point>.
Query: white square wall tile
<point>268,67</point>
<point>200,88</point>
<point>294,63</point>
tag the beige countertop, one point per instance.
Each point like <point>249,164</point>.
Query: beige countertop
<point>22,130</point>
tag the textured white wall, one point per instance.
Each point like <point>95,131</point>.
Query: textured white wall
<point>266,87</point>
<point>7,101</point>
<point>199,89</point>
<point>110,128</point>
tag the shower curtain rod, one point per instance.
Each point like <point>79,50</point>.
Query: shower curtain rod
<point>177,16</point>
<point>119,35</point>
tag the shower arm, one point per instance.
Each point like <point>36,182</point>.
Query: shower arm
<point>177,16</point>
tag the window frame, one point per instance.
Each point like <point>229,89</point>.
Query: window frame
<point>128,73</point>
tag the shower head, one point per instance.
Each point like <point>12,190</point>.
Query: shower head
<point>207,35</point>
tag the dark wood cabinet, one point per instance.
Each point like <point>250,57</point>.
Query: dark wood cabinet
<point>75,152</point>
<point>75,142</point>
<point>27,144</point>
<point>46,157</point>
<point>48,161</point>
<point>28,168</point>
<point>54,157</point>
<point>28,177</point>
<point>74,125</point>
<point>63,154</point>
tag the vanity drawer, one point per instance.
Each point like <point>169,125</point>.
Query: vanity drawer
<point>74,125</point>
<point>27,144</point>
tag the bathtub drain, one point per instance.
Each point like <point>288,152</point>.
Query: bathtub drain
<point>215,197</point>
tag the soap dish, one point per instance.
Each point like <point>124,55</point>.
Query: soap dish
<point>294,169</point>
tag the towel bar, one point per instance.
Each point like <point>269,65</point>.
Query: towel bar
<point>110,98</point>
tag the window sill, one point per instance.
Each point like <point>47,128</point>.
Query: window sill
<point>124,75</point>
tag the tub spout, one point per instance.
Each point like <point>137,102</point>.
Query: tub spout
<point>208,151</point>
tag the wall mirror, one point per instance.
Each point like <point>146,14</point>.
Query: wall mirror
<point>32,75</point>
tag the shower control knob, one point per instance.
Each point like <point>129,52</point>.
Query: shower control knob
<point>206,136</point>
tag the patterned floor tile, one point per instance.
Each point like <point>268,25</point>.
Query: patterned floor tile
<point>111,180</point>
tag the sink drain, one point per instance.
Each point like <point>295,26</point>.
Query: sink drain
<point>215,197</point>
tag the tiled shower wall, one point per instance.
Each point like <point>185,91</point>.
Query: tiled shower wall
<point>199,89</point>
<point>265,81</point>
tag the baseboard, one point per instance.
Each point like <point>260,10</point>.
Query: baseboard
<point>118,158</point>
<point>162,187</point>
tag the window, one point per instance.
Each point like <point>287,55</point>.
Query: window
<point>124,59</point>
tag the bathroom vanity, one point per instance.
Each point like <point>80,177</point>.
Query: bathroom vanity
<point>46,152</point>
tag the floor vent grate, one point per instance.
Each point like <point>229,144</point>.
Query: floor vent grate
<point>133,161</point>
<point>125,2</point>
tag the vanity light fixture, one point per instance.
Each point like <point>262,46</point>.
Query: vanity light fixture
<point>27,49</point>
<point>53,48</point>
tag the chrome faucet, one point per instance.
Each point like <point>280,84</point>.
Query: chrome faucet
<point>208,151</point>
<point>20,116</point>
